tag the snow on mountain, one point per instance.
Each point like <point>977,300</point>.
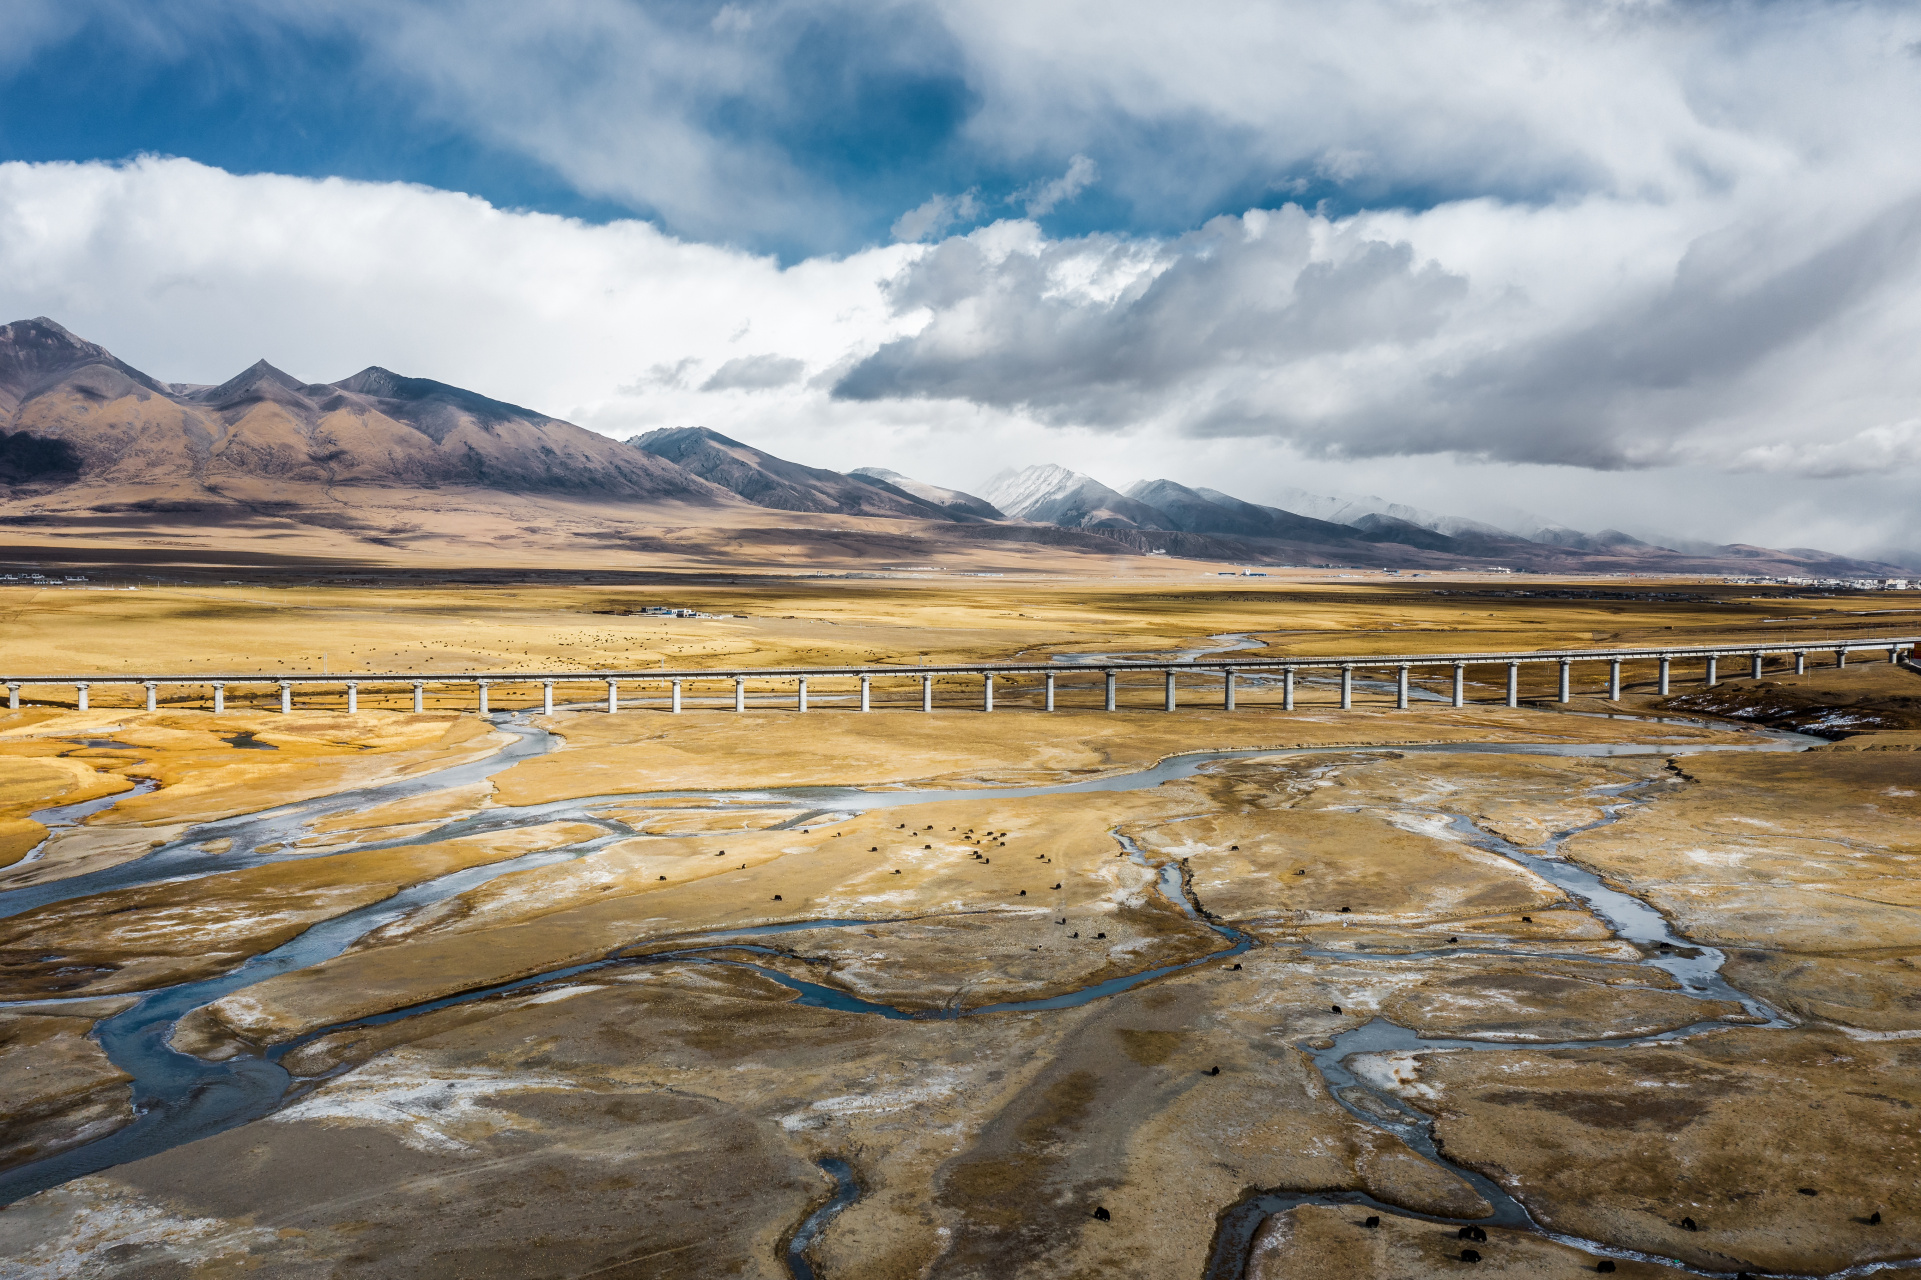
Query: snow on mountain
<point>1208,511</point>
<point>1347,508</point>
<point>957,499</point>
<point>1054,495</point>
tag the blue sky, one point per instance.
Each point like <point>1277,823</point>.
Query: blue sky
<point>1645,263</point>
<point>866,109</point>
<point>253,100</point>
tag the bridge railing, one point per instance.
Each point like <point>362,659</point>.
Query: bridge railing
<point>1284,668</point>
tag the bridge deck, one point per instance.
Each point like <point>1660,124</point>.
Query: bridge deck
<point>1272,663</point>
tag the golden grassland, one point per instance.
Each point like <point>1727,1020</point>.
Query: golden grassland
<point>787,623</point>
<point>821,622</point>
<point>667,1111</point>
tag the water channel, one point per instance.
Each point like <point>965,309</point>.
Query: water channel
<point>179,1098</point>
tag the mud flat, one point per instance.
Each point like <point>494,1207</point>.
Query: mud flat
<point>57,1088</point>
<point>1756,1137</point>
<point>968,996</point>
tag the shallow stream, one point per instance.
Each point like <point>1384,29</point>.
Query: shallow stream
<point>180,1098</point>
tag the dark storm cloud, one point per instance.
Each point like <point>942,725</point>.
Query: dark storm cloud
<point>1289,326</point>
<point>1006,332</point>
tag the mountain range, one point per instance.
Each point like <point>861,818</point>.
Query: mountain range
<point>406,463</point>
<point>1353,530</point>
<point>76,413</point>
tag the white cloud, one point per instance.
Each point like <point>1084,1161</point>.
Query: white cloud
<point>731,17</point>
<point>1735,346</point>
<point>929,220</point>
<point>756,373</point>
<point>1042,198</point>
<point>1601,333</point>
<point>192,274</point>
<point>1872,451</point>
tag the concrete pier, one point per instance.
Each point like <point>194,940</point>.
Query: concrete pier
<point>482,685</point>
<point>353,698</point>
<point>1840,658</point>
<point>800,701</point>
<point>1667,664</point>
<point>866,693</point>
<point>1400,688</point>
<point>1287,688</point>
<point>153,695</point>
<point>1460,684</point>
<point>675,696</point>
<point>1754,667</point>
<point>1110,690</point>
<point>613,696</point>
<point>1513,684</point>
<point>1347,687</point>
<point>13,697</point>
<point>1227,690</point>
<point>1614,680</point>
<point>927,693</point>
<point>1561,690</point>
<point>987,692</point>
<point>286,697</point>
<point>82,690</point>
<point>546,697</point>
<point>1800,662</point>
<point>740,694</point>
<point>1713,676</point>
<point>420,698</point>
<point>1050,692</point>
<point>1167,703</point>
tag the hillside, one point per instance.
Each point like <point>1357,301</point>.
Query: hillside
<point>955,500</point>
<point>1209,524</point>
<point>77,415</point>
<point>775,483</point>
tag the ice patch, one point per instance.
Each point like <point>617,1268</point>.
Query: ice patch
<point>427,1108</point>
<point>110,1220</point>
<point>1393,1072</point>
<point>1715,857</point>
<point>561,993</point>
<point>878,1102</point>
<point>1434,826</point>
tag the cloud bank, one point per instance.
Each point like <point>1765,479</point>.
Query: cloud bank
<point>813,125</point>
<point>1650,263</point>
<point>1501,333</point>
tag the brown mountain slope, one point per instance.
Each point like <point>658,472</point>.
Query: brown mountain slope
<point>89,419</point>
<point>780,485</point>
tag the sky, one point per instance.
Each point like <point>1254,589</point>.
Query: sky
<point>1637,264</point>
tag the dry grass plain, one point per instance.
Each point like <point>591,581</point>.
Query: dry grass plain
<point>726,947</point>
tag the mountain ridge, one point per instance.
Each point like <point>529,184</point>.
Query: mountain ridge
<point>1372,536</point>
<point>83,433</point>
<point>775,483</point>
<point>954,499</point>
<point>265,428</point>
